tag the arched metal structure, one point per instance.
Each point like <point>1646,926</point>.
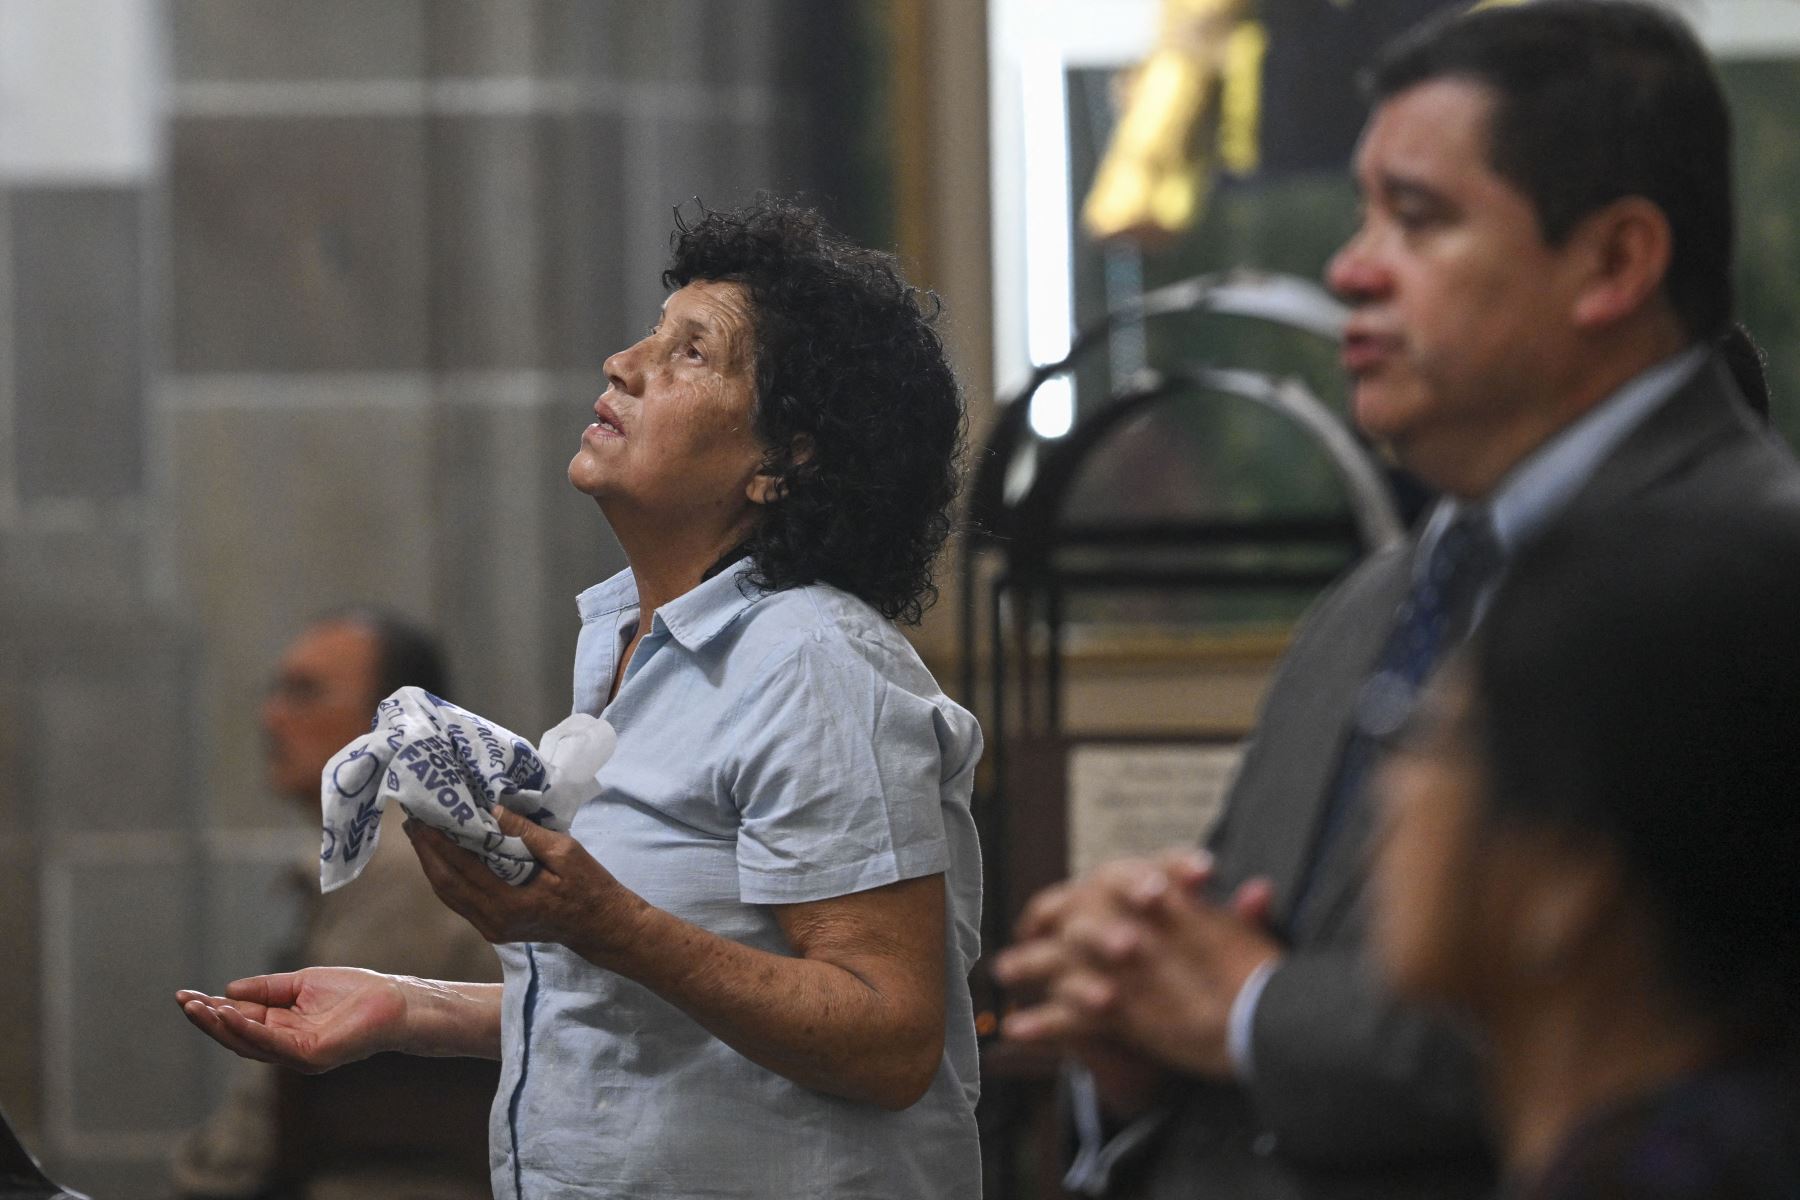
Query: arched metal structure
<point>1283,299</point>
<point>1017,563</point>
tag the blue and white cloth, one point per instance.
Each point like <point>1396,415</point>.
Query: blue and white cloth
<point>448,767</point>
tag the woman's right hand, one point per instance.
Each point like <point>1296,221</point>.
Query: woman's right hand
<point>311,1020</point>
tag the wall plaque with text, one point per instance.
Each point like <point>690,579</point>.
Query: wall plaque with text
<point>1137,797</point>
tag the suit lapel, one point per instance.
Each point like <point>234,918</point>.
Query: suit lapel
<point>1288,776</point>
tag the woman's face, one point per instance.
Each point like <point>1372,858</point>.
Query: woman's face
<point>674,433</point>
<point>1436,864</point>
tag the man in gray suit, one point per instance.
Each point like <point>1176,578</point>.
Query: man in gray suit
<point>1539,284</point>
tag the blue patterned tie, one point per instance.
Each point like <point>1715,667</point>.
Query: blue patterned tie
<point>1435,615</point>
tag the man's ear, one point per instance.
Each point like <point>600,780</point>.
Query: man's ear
<point>766,487</point>
<point>1627,246</point>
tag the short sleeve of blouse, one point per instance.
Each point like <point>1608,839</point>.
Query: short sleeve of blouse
<point>837,779</point>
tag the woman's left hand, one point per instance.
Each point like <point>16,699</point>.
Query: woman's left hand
<point>857,1010</point>
<point>571,899</point>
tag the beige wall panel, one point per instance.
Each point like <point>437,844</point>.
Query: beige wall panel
<point>298,243</point>
<point>281,40</point>
<point>281,510</point>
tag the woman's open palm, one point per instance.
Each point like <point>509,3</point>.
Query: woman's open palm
<point>311,1020</point>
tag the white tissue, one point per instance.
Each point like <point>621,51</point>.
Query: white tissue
<point>448,767</point>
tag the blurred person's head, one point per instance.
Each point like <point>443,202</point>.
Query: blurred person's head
<point>326,687</point>
<point>1547,211</point>
<point>1599,801</point>
<point>796,396</point>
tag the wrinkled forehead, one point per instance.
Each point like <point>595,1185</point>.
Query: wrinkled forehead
<point>718,311</point>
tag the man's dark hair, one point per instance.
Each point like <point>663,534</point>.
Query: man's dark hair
<point>405,655</point>
<point>850,368</point>
<point>1637,683</point>
<point>1596,100</point>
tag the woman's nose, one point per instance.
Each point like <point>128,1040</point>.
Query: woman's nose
<point>624,368</point>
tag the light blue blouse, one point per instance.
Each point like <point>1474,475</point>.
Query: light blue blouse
<point>774,748</point>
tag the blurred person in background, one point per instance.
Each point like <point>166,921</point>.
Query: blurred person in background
<point>1540,287</point>
<point>323,696</point>
<point>1589,843</point>
<point>744,972</point>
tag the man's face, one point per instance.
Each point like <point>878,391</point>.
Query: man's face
<point>322,697</point>
<point>675,430</point>
<point>1461,312</point>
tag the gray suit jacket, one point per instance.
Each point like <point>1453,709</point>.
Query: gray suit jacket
<point>1353,1094</point>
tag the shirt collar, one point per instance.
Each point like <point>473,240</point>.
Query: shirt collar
<point>1541,486</point>
<point>691,619</point>
<point>615,595</point>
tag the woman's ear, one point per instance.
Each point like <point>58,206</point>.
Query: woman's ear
<point>766,486</point>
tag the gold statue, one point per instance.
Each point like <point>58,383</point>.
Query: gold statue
<point>1197,95</point>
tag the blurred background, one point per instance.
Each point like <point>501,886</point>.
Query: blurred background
<point>303,304</point>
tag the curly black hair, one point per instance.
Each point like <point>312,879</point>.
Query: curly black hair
<point>854,396</point>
